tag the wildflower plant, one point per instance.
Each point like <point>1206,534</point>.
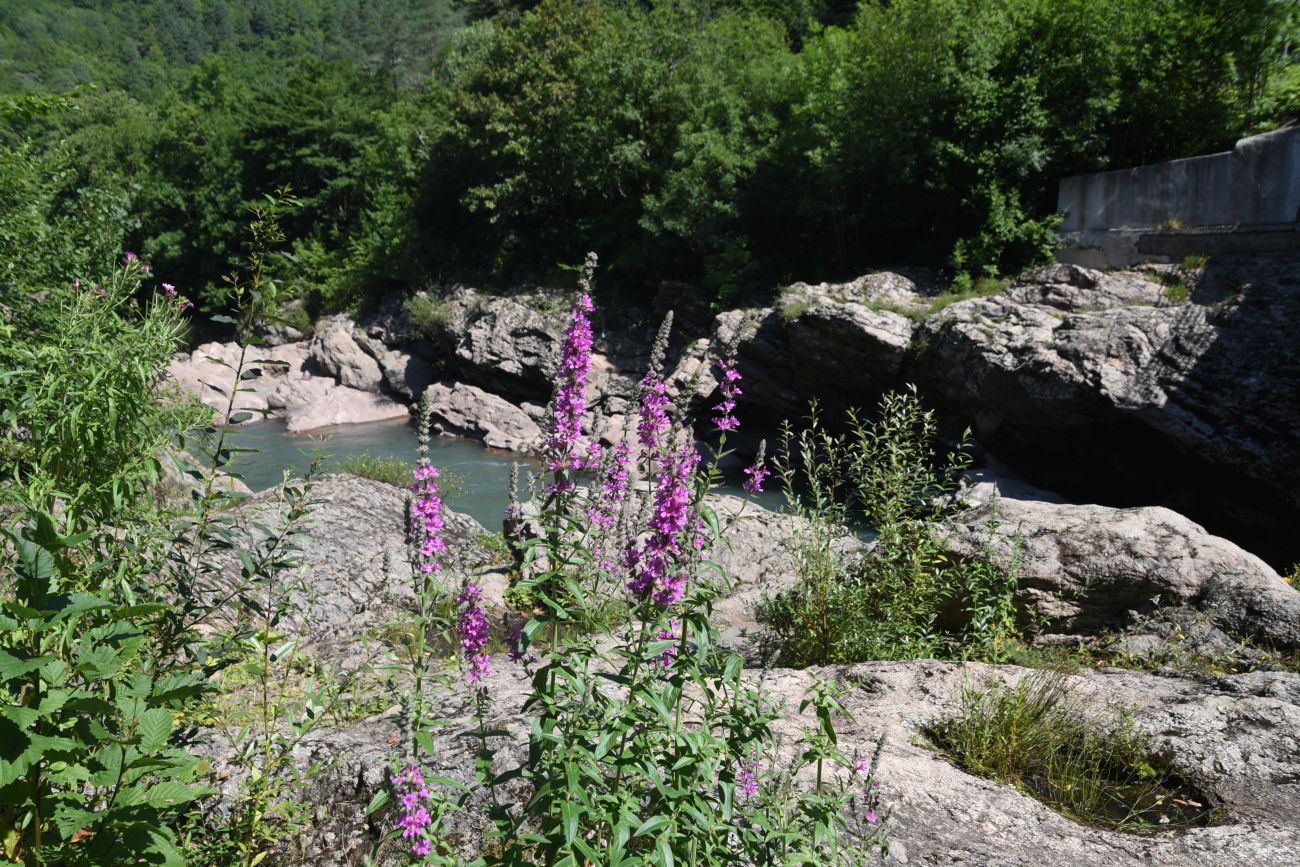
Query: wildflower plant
<point>645,735</point>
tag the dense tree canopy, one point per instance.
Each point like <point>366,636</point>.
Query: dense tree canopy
<point>726,142</point>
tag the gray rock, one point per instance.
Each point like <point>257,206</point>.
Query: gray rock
<point>355,525</point>
<point>464,410</point>
<point>1087,568</point>
<point>316,402</point>
<point>335,350</point>
<point>1234,738</point>
<point>1098,386</point>
<point>406,374</point>
<point>507,346</point>
<point>213,364</point>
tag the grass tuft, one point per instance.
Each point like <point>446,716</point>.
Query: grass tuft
<point>1038,738</point>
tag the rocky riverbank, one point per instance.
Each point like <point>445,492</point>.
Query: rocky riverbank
<point>1109,388</point>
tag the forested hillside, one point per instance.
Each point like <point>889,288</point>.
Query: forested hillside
<point>728,143</point>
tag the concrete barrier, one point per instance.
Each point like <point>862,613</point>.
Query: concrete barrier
<point>1245,199</point>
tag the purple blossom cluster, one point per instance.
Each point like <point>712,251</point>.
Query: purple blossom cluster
<point>655,566</point>
<point>725,420</point>
<point>756,473</point>
<point>414,818</point>
<point>571,397</point>
<point>747,778</point>
<point>870,796</point>
<point>426,519</point>
<point>614,487</point>
<point>515,642</point>
<point>652,422</point>
<point>603,510</point>
<point>669,653</point>
<point>473,631</point>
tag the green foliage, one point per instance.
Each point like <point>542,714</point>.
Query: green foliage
<point>426,315</point>
<point>89,773</point>
<point>1038,737</point>
<point>889,602</point>
<point>727,143</point>
<point>81,422</point>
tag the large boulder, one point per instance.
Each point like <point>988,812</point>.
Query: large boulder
<point>405,373</point>
<point>335,350</point>
<point>850,340</point>
<point>211,366</point>
<point>457,409</point>
<point>507,345</point>
<point>353,564</point>
<point>1087,568</point>
<point>317,402</point>
<point>1101,387</point>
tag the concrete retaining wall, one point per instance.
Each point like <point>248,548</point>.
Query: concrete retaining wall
<point>1255,183</point>
<point>1239,201</point>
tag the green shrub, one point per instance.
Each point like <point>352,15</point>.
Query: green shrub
<point>888,602</point>
<point>1039,738</point>
<point>426,316</point>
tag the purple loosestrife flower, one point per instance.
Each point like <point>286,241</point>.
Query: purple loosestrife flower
<point>652,423</point>
<point>870,804</point>
<point>571,397</point>
<point>612,490</point>
<point>747,778</point>
<point>730,389</point>
<point>757,471</point>
<point>603,511</point>
<point>655,567</point>
<point>414,818</point>
<point>515,642</point>
<point>473,630</point>
<point>670,653</point>
<point>426,519</point>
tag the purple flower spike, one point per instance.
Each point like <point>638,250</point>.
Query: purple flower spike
<point>414,818</point>
<point>654,565</point>
<point>757,473</point>
<point>571,397</point>
<point>426,519</point>
<point>725,420</point>
<point>473,630</point>
<point>747,779</point>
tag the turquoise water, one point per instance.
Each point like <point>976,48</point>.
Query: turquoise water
<point>485,473</point>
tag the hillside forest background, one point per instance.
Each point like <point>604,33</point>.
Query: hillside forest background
<point>730,144</point>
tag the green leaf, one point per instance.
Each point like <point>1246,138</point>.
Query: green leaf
<point>154,728</point>
<point>377,802</point>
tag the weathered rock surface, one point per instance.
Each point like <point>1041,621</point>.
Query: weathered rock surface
<point>317,402</point>
<point>353,527</point>
<point>291,385</point>
<point>464,410</point>
<point>1234,738</point>
<point>1088,568</point>
<point>405,374</point>
<point>336,351</point>
<point>505,345</point>
<point>1098,386</point>
<point>213,364</point>
<point>850,338</point>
